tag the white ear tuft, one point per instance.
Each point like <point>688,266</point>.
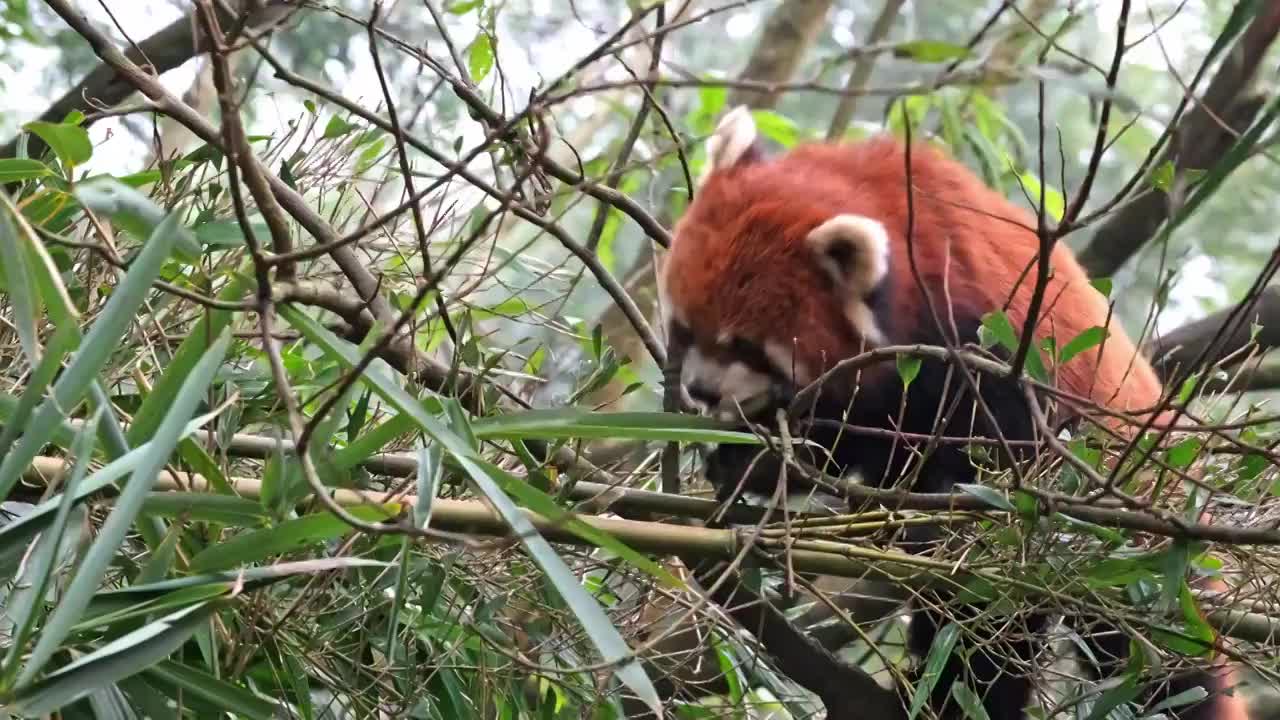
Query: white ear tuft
<point>853,249</point>
<point>731,142</point>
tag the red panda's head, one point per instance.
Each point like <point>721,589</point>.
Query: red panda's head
<point>772,276</point>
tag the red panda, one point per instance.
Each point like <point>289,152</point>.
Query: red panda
<point>782,267</point>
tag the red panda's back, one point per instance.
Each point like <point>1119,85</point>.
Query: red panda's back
<point>971,247</point>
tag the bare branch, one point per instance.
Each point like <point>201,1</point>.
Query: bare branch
<point>788,34</point>
<point>1179,348</point>
<point>1202,137</point>
<point>106,85</point>
<point>862,68</point>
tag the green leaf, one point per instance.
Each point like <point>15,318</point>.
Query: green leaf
<point>545,505</point>
<point>1054,203</point>
<point>976,589</point>
<point>430,472</point>
<point>908,369</point>
<point>221,694</point>
<point>1196,624</point>
<point>22,296</point>
<point>1114,572</point>
<point>480,57</point>
<point>1162,176</point>
<point>368,157</point>
<point>969,701</point>
<point>1102,285</point>
<point>125,656</point>
<point>572,422</point>
<point>462,7</point>
<point>1176,561</point>
<point>69,142</point>
<point>27,600</point>
<point>939,654</point>
<point>1189,387</point>
<point>122,600</point>
<point>250,547</point>
<point>111,536</point>
<point>989,495</point>
<point>930,51</point>
<point>600,630</point>
<point>776,127</point>
<point>15,534</point>
<point>134,212</point>
<point>1251,466</point>
<point>998,326</point>
<point>1086,340</point>
<point>45,274</point>
<point>1114,698</point>
<point>1186,697</point>
<point>337,127</point>
<point>371,441</point>
<point>194,346</point>
<point>1184,453</point>
<point>102,340</point>
<point>997,323</point>
<point>225,509</point>
<point>16,169</point>
<point>228,233</point>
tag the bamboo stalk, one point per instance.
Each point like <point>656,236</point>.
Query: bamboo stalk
<point>806,556</point>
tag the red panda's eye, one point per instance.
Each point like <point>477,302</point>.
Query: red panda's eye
<point>678,334</point>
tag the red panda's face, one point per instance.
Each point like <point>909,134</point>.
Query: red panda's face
<point>766,287</point>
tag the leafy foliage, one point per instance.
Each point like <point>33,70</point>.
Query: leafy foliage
<point>170,555</point>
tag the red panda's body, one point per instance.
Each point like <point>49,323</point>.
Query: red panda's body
<point>739,264</point>
<point>783,267</point>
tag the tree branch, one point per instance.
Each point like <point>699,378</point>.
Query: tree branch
<point>351,265</point>
<point>1202,137</point>
<point>862,68</point>
<point>1180,347</point>
<point>788,34</point>
<point>163,51</point>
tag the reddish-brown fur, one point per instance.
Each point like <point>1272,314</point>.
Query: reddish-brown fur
<point>739,262</point>
<point>739,265</point>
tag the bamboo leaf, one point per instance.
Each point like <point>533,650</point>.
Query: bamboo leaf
<point>250,547</point>
<point>102,339</point>
<point>939,654</point>
<point>592,617</point>
<point>119,659</point>
<point>220,693</point>
<point>564,423</point>
<point>100,555</point>
<point>15,535</point>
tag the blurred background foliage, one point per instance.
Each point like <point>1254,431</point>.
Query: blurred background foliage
<point>474,629</point>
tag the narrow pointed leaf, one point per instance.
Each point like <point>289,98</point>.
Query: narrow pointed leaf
<point>29,595</point>
<point>594,621</point>
<point>101,340</point>
<point>126,656</point>
<point>112,534</point>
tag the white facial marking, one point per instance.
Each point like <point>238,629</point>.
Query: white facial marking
<point>739,388</point>
<point>733,137</point>
<point>854,251</point>
<point>783,357</point>
<point>863,320</point>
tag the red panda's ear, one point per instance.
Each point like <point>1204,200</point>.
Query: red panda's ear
<point>733,142</point>
<point>854,251</point>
